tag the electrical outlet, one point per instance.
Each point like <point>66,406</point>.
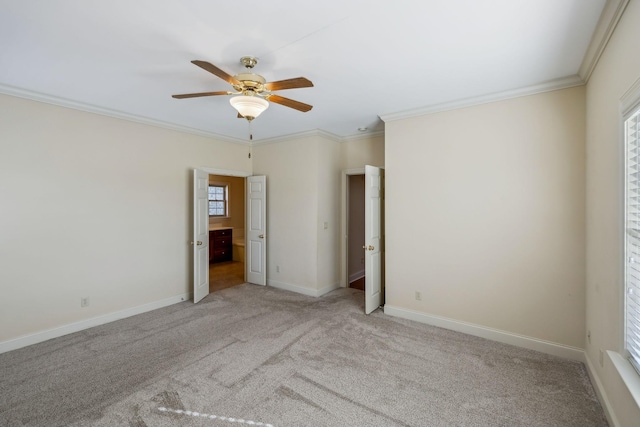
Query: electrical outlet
<point>84,302</point>
<point>601,358</point>
<point>589,337</point>
<point>277,269</point>
<point>418,296</point>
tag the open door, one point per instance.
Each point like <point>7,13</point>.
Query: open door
<point>373,238</point>
<point>255,231</point>
<point>200,235</point>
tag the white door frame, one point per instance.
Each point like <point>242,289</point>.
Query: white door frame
<point>344,242</point>
<point>226,172</point>
<point>241,174</point>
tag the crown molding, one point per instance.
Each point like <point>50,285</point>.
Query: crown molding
<point>630,100</point>
<point>298,135</point>
<point>63,102</point>
<point>318,132</point>
<point>89,108</point>
<point>609,19</point>
<point>611,14</point>
<point>562,83</point>
<point>358,136</point>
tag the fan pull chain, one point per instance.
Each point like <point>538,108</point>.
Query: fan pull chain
<point>250,133</point>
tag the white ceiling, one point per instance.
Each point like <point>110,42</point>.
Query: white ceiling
<point>365,58</point>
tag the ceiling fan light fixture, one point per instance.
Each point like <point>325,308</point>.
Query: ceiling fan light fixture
<point>249,107</point>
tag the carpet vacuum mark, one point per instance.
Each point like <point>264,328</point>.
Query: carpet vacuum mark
<point>214,417</point>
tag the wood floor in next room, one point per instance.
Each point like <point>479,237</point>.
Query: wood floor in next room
<point>224,275</point>
<point>357,284</point>
<point>228,274</point>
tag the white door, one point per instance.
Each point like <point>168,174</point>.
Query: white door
<point>200,235</point>
<point>255,232</point>
<point>372,239</point>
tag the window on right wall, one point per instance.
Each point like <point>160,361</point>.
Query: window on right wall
<point>632,237</point>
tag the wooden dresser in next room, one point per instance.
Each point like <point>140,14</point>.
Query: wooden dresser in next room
<point>220,245</point>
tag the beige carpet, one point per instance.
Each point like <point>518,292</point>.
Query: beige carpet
<point>256,356</point>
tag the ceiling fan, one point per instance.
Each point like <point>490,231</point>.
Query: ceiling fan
<point>252,89</point>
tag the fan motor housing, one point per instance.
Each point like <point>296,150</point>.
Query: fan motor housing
<point>251,81</point>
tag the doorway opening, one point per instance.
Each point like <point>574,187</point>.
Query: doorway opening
<point>362,247</point>
<point>355,231</point>
<point>226,231</point>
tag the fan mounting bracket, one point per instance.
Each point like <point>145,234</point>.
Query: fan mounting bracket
<point>249,61</point>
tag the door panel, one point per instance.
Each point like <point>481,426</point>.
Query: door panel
<point>200,235</point>
<point>373,239</point>
<point>256,238</point>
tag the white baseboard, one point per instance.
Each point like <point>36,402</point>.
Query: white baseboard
<point>302,290</point>
<point>328,289</point>
<point>356,276</point>
<point>600,392</point>
<point>505,337</point>
<point>293,288</point>
<point>26,340</point>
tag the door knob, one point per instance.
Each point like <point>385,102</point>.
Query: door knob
<point>261,236</point>
<point>199,243</point>
<point>368,248</point>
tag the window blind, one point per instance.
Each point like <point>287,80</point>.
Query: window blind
<point>632,237</point>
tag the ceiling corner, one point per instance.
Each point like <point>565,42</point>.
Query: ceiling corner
<point>607,24</point>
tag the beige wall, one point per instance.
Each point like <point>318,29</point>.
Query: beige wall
<point>303,186</point>
<point>358,152</point>
<point>236,204</point>
<point>292,210</point>
<point>328,164</point>
<point>485,215</point>
<point>617,70</point>
<point>95,207</point>
<point>100,207</point>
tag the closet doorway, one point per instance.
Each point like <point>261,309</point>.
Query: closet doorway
<point>363,253</point>
<point>355,231</point>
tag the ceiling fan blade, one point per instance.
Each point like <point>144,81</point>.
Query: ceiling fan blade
<point>240,116</point>
<point>296,105</point>
<point>195,95</point>
<point>298,82</point>
<point>216,71</point>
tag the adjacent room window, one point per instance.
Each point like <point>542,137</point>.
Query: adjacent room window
<point>218,200</point>
<point>632,237</point>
